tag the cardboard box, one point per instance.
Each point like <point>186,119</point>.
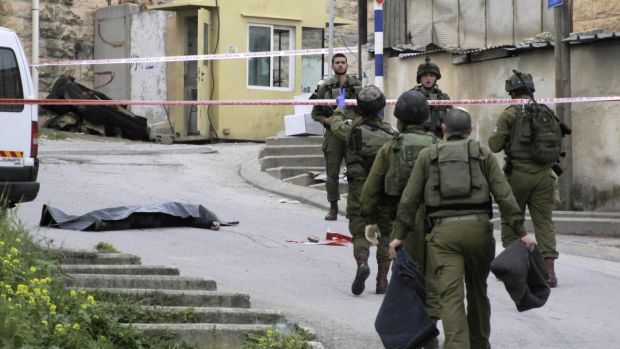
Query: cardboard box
<point>301,124</point>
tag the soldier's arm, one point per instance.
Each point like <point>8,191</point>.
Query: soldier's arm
<point>502,193</point>
<point>373,187</point>
<point>412,197</point>
<point>338,127</point>
<point>498,140</point>
<point>318,110</point>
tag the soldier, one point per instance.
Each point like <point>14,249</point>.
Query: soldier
<point>530,137</point>
<point>427,76</point>
<point>334,148</point>
<point>385,184</point>
<point>455,180</point>
<point>363,137</point>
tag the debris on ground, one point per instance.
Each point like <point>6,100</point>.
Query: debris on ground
<point>331,238</point>
<point>103,120</point>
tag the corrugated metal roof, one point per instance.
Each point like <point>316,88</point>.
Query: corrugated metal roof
<point>586,38</point>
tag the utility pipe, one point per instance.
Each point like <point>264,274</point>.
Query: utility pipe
<point>330,51</point>
<point>35,46</point>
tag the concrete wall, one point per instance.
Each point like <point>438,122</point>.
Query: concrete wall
<point>596,126</point>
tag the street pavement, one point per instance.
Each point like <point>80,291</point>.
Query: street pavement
<point>310,283</point>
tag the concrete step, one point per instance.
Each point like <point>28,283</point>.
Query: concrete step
<point>118,269</point>
<point>292,160</point>
<point>205,336</point>
<point>102,258</point>
<point>188,298</point>
<point>278,150</point>
<point>140,281</point>
<point>292,171</point>
<point>343,187</point>
<point>305,179</point>
<point>294,140</point>
<point>227,315</point>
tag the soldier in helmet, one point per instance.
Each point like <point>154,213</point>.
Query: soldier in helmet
<point>386,181</point>
<point>529,159</point>
<point>363,137</point>
<point>457,197</point>
<point>334,148</point>
<point>427,76</point>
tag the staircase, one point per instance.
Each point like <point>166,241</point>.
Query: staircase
<point>220,319</point>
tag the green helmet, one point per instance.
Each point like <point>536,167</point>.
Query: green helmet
<point>514,83</point>
<point>428,67</point>
<point>370,100</point>
<point>412,107</point>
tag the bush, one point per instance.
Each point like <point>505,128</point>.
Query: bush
<point>274,338</point>
<point>36,311</point>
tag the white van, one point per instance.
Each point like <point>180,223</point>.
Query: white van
<point>18,125</point>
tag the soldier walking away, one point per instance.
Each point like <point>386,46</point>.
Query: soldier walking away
<point>385,183</point>
<point>531,138</point>
<point>364,136</point>
<point>334,148</point>
<point>455,180</point>
<point>427,76</point>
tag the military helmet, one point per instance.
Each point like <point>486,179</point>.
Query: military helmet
<point>412,107</point>
<point>514,83</point>
<point>370,100</point>
<point>428,67</point>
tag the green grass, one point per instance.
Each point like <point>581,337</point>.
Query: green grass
<point>54,135</point>
<point>105,247</point>
<point>36,311</point>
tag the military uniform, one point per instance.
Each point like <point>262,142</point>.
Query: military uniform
<point>379,206</point>
<point>437,111</point>
<point>454,179</point>
<point>532,184</point>
<point>358,168</point>
<point>333,147</point>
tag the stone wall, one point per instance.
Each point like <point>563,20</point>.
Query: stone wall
<point>594,14</point>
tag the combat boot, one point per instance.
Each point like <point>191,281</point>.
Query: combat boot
<point>550,265</point>
<point>332,214</point>
<point>361,274</point>
<point>382,273</point>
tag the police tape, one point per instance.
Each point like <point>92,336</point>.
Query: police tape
<point>187,58</point>
<point>312,102</point>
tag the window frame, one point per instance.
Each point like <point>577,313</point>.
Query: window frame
<point>292,67</point>
<point>14,108</point>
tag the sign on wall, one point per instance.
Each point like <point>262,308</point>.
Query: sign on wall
<point>554,3</point>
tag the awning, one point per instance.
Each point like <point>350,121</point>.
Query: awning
<point>183,5</point>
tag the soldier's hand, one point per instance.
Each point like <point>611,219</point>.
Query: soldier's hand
<point>372,233</point>
<point>328,121</point>
<point>529,241</point>
<point>393,245</point>
<point>340,100</point>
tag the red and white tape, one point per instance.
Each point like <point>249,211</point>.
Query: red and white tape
<point>209,57</point>
<point>303,102</point>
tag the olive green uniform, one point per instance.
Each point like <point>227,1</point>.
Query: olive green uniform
<point>356,176</point>
<point>380,208</point>
<point>437,111</point>
<point>532,184</point>
<point>461,241</point>
<point>333,147</point>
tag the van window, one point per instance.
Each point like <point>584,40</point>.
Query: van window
<point>10,80</point>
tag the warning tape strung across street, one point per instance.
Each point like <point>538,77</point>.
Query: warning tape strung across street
<point>303,102</point>
<point>209,57</point>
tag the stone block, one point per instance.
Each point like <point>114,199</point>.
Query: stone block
<point>606,9</point>
<point>582,10</point>
<point>611,24</point>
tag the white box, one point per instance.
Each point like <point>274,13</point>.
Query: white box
<point>302,109</point>
<point>301,124</point>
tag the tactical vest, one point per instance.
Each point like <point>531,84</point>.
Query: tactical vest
<point>363,144</point>
<point>536,135</point>
<point>351,88</point>
<point>456,181</point>
<point>406,149</point>
<point>437,112</point>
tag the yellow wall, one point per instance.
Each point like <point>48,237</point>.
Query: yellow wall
<point>257,122</point>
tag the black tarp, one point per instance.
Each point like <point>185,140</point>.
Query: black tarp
<point>402,321</point>
<point>111,120</point>
<point>169,214</point>
<point>524,275</point>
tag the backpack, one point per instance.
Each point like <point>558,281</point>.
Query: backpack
<point>407,148</point>
<point>536,135</point>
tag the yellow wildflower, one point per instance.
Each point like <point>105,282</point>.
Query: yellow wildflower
<point>21,289</point>
<point>83,292</point>
<point>91,299</point>
<point>18,240</point>
<point>1,243</point>
<point>33,269</point>
<point>76,326</point>
<point>14,251</point>
<point>59,328</point>
<point>52,309</point>
<point>72,293</point>
<point>44,323</point>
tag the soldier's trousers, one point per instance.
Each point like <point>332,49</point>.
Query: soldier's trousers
<point>333,150</point>
<point>464,250</point>
<point>536,191</point>
<point>357,225</point>
<point>416,247</point>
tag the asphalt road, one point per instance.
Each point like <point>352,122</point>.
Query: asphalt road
<point>311,284</point>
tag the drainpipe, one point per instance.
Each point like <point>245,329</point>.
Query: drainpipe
<point>331,37</point>
<point>35,46</point>
<point>379,44</point>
